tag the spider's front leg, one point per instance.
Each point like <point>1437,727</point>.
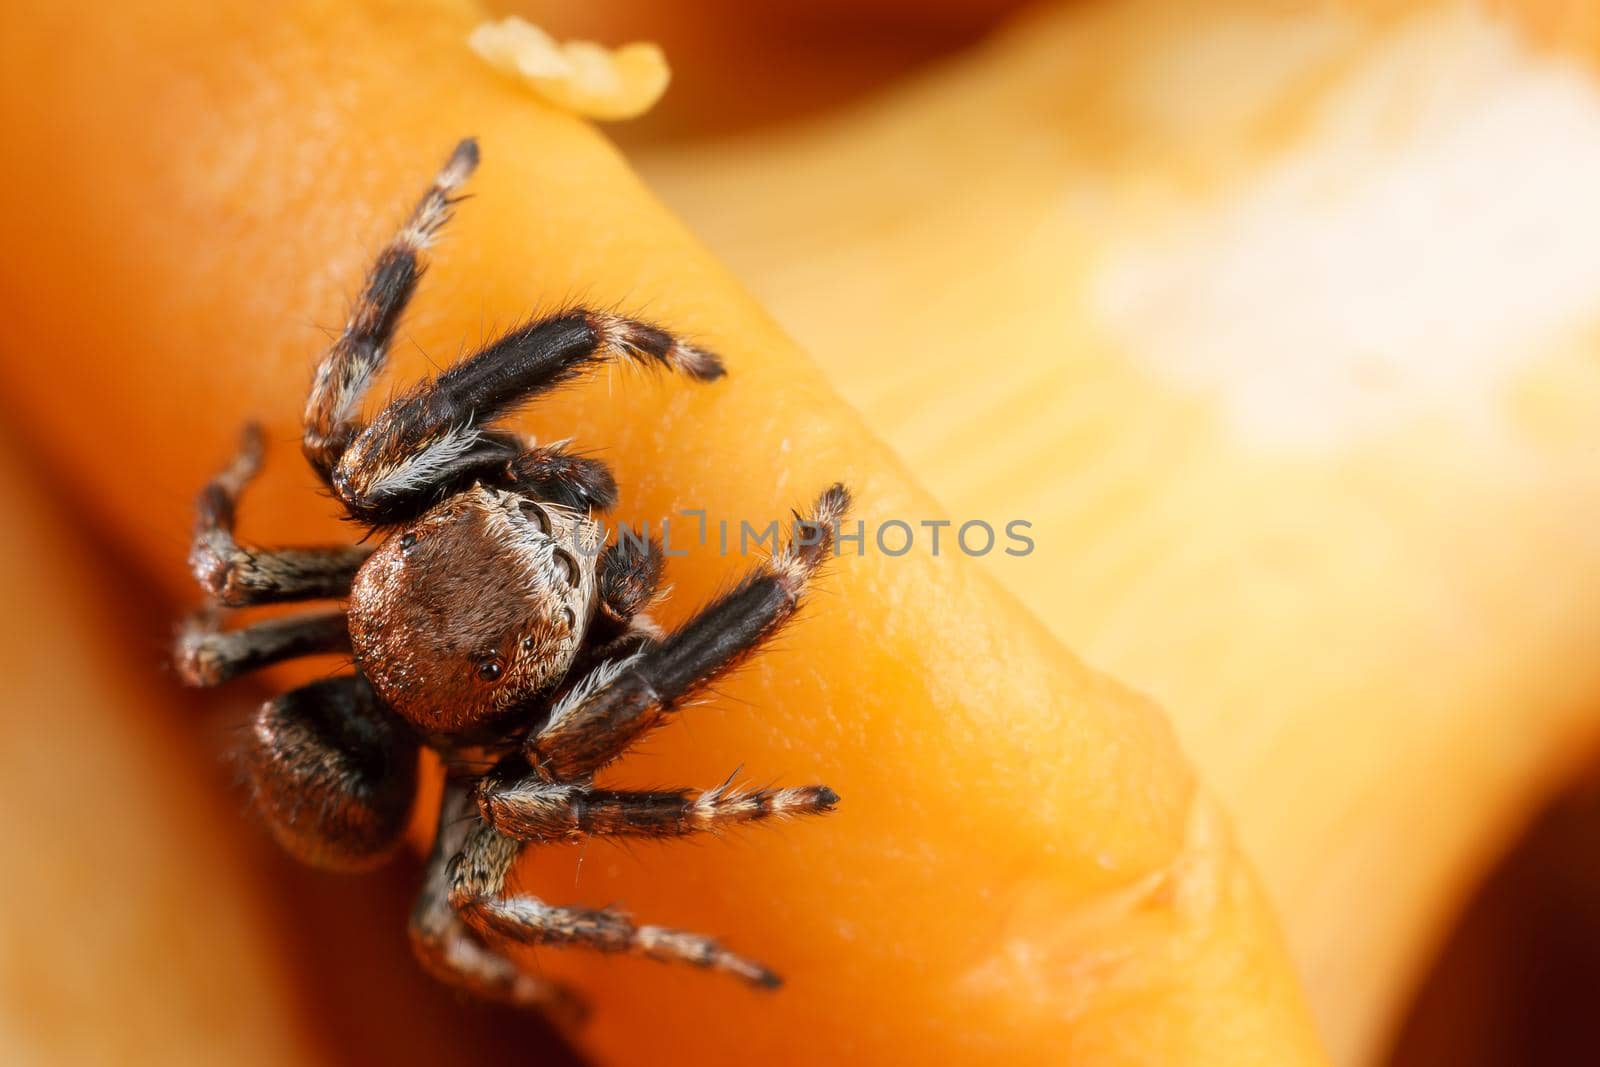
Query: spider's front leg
<point>333,410</point>
<point>608,709</point>
<point>437,438</point>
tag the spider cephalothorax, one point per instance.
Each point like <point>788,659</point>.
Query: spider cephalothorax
<point>492,623</point>
<point>440,652</point>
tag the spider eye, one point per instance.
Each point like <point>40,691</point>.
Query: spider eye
<point>489,670</point>
<point>407,541</point>
<point>527,644</point>
<point>567,567</point>
<point>572,621</point>
<point>535,514</point>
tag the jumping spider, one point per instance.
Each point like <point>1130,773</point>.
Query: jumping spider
<point>492,623</point>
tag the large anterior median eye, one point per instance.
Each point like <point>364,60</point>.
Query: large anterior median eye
<point>567,567</point>
<point>535,514</point>
<point>489,670</point>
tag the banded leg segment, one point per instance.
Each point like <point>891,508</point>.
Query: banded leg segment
<point>207,655</point>
<point>477,887</point>
<point>435,436</point>
<point>333,410</point>
<point>608,709</point>
<point>451,952</point>
<point>237,575</point>
<point>530,809</point>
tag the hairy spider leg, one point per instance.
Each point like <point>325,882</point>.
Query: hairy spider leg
<point>433,440</point>
<point>603,713</point>
<point>236,574</point>
<point>531,809</point>
<point>477,894</point>
<point>452,952</point>
<point>207,655</point>
<point>333,409</point>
